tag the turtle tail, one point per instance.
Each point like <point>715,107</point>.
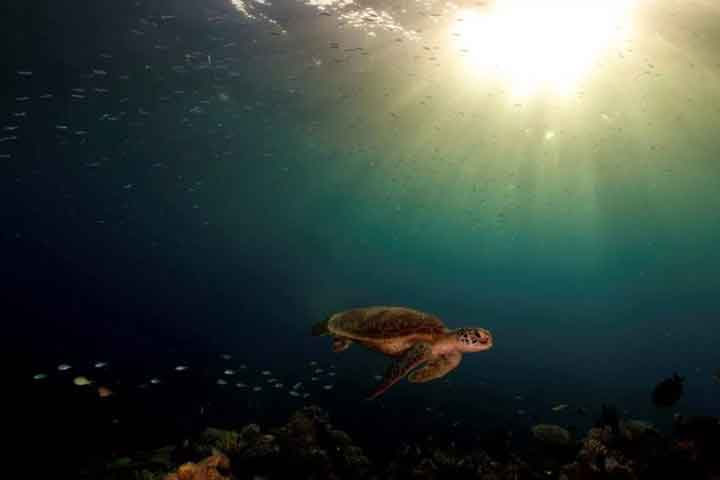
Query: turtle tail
<point>321,328</point>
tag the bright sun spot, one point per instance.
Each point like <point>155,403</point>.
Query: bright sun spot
<point>535,45</point>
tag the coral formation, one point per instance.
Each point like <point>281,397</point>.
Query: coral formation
<point>553,435</point>
<point>309,446</point>
<point>214,467</point>
<point>224,440</point>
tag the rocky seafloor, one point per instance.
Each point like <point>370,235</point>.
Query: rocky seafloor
<point>309,446</point>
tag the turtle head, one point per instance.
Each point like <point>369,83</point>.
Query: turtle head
<point>473,339</point>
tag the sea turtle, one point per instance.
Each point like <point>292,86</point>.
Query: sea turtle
<point>413,337</point>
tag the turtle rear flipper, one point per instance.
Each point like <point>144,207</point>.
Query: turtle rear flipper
<point>415,356</point>
<point>321,328</point>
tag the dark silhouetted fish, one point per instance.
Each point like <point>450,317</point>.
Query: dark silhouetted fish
<point>668,392</point>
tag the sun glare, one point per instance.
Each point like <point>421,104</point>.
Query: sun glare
<point>547,45</point>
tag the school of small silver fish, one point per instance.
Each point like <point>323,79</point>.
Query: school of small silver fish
<point>297,390</point>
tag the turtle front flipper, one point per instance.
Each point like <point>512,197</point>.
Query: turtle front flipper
<point>341,344</point>
<point>417,355</point>
<point>436,368</point>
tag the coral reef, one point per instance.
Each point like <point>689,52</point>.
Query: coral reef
<point>309,447</point>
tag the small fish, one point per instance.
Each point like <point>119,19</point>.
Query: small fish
<point>272,380</point>
<point>378,377</point>
<point>64,367</point>
<point>242,366</point>
<point>279,385</point>
<point>104,392</point>
<point>226,356</point>
<point>81,381</point>
<point>155,381</point>
<point>297,385</point>
<point>257,389</point>
<point>319,370</point>
<point>181,368</point>
<point>327,387</point>
<point>100,364</point>
<point>559,408</point>
<point>265,372</point>
<point>294,393</point>
<point>229,372</point>
<point>40,376</point>
<point>332,374</point>
<point>313,363</point>
<point>220,381</point>
<point>306,395</point>
<point>314,379</point>
<point>240,385</point>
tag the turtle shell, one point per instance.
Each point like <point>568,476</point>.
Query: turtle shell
<point>384,323</point>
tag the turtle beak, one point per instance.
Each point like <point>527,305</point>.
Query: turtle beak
<point>486,339</point>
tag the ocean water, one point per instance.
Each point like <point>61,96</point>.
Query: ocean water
<point>187,179</point>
